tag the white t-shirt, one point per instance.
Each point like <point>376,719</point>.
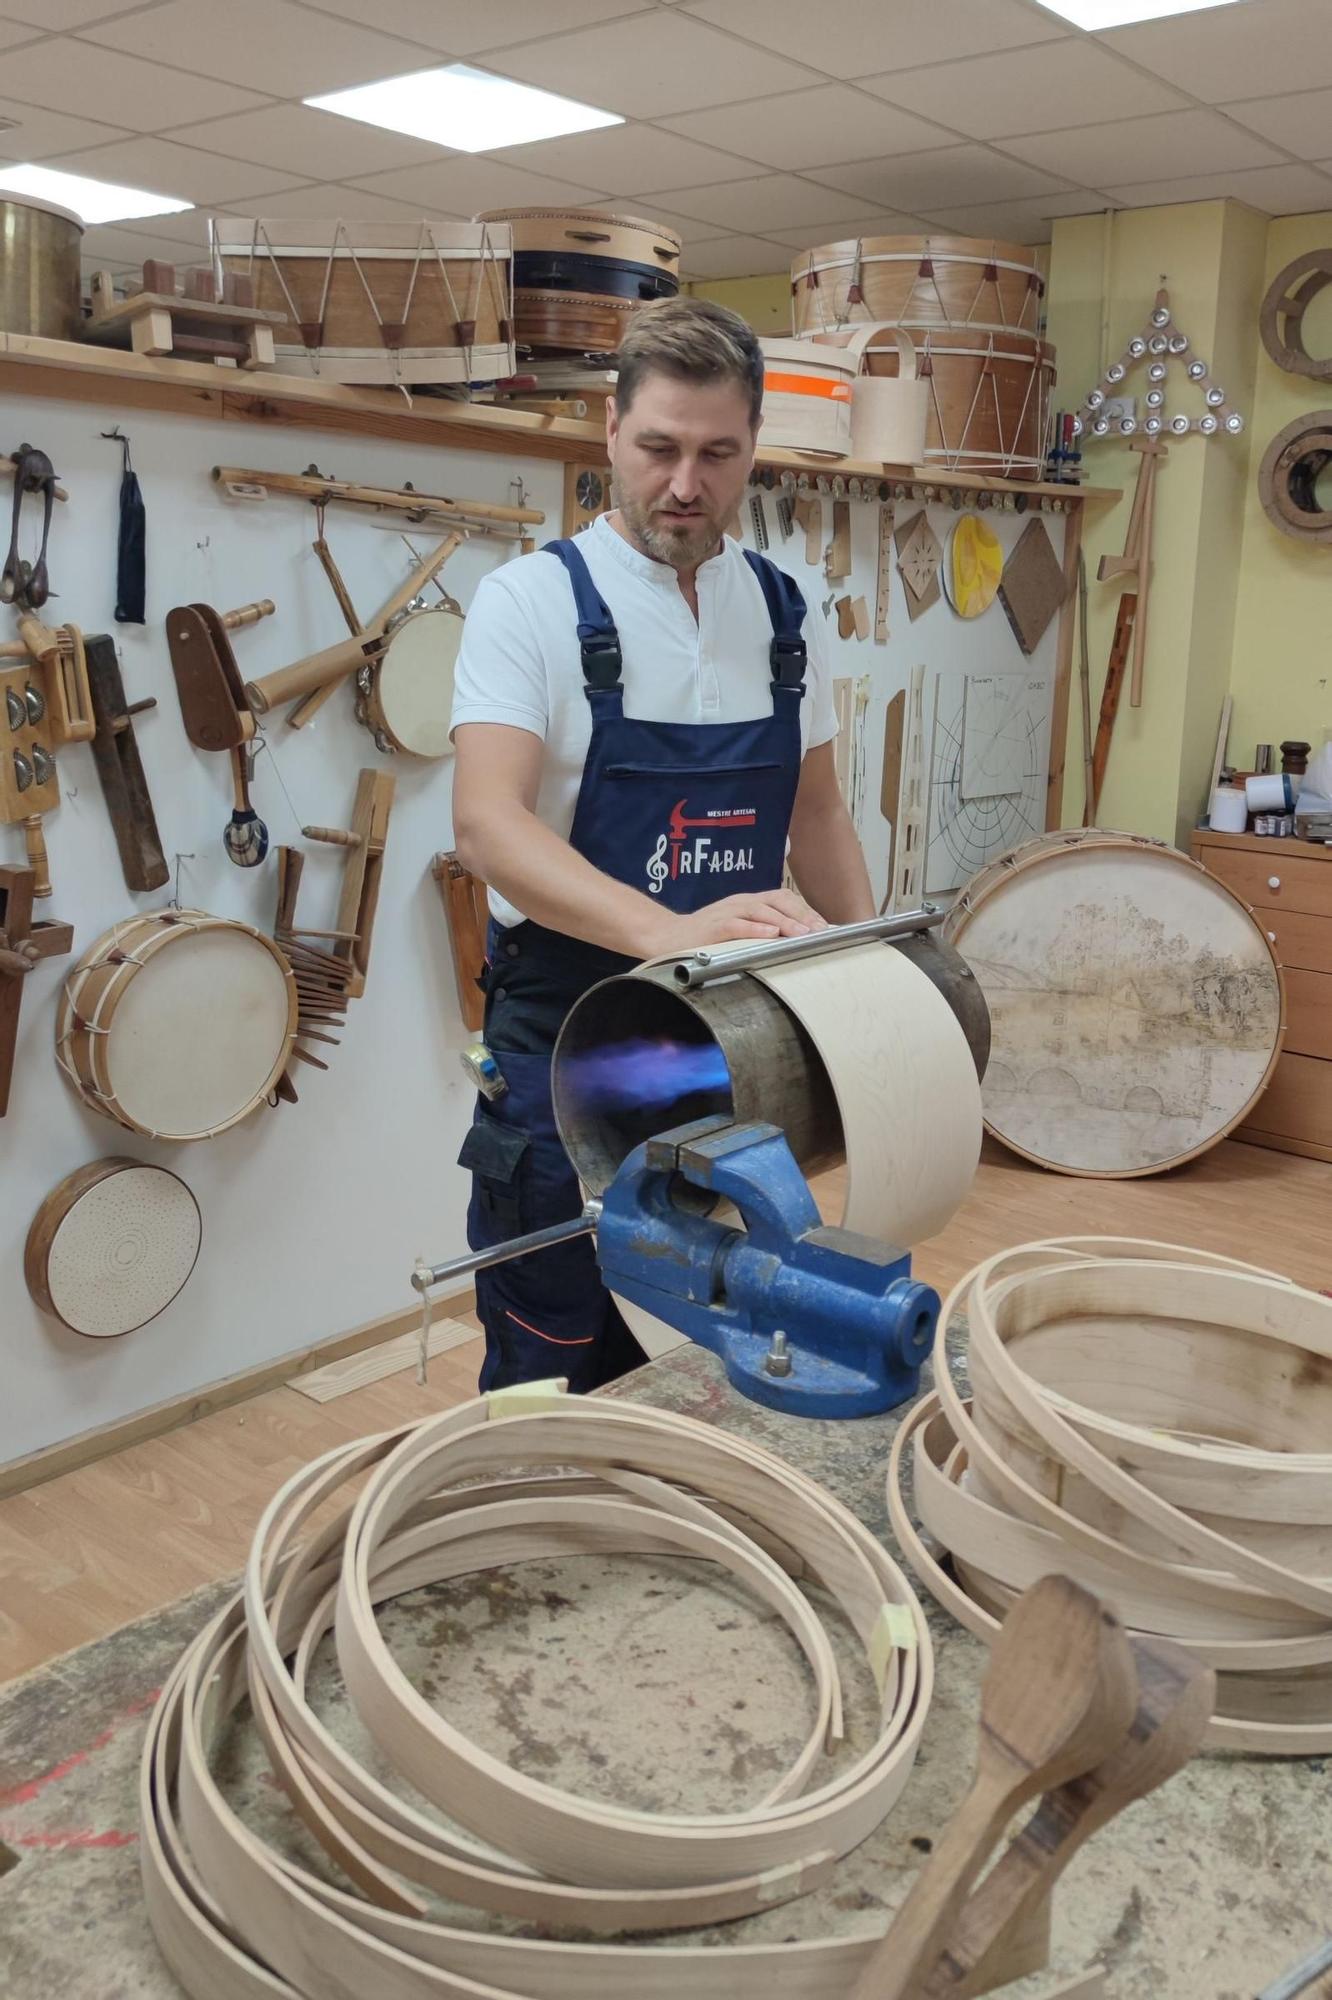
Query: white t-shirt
<point>519,663</point>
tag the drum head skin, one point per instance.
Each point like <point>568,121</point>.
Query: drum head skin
<point>112,1246</point>
<point>414,681</point>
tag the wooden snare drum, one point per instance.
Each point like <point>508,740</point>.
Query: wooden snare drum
<point>916,281</point>
<point>1136,1005</point>
<point>112,1246</point>
<point>405,694</point>
<point>579,273</point>
<point>177,1024</point>
<point>412,302</point>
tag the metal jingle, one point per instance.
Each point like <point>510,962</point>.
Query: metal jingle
<point>1155,398</point>
<point>22,771</point>
<point>1160,316</point>
<point>34,701</point>
<point>1234,423</point>
<point>1102,427</point>
<point>1115,372</point>
<point>1095,399</point>
<point>43,764</point>
<point>1179,425</point>
<point>1137,347</point>
<point>14,709</point>
<point>1157,372</point>
<point>1197,370</point>
<point>1078,427</point>
<point>1179,343</point>
<point>1158,343</point>
<point>1127,426</point>
<point>1208,425</point>
<point>1152,426</point>
<point>1216,397</point>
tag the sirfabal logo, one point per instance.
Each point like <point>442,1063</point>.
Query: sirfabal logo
<point>691,846</point>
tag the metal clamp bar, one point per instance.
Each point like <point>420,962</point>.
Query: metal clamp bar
<point>1300,1977</point>
<point>424,1276</point>
<point>704,968</point>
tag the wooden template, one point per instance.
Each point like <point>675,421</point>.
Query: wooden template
<point>1032,588</point>
<point>837,559</point>
<point>883,574</point>
<point>972,567</point>
<point>918,557</point>
<point>907,880</point>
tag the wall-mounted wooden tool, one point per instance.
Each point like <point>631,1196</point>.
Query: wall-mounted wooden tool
<point>23,942</point>
<point>482,516</point>
<point>837,560</point>
<point>1134,567</point>
<point>59,652</point>
<point>339,662</point>
<point>29,783</point>
<point>120,768</point>
<point>307,708</point>
<point>1059,1696</point>
<point>883,574</point>
<point>197,323</point>
<point>465,907</point>
<point>215,710</point>
<point>321,980</point>
<point>25,583</point>
<point>364,841</point>
<point>809,513</point>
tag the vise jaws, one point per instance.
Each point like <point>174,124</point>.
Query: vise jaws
<point>817,1321</point>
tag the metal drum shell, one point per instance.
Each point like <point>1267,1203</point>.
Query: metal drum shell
<point>41,288</point>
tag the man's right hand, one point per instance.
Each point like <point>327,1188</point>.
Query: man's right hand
<point>771,913</point>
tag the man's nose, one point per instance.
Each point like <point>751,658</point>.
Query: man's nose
<point>685,482</point>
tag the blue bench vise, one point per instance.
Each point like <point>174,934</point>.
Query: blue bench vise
<point>817,1321</point>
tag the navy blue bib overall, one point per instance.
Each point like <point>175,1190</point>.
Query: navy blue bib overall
<point>688,813</point>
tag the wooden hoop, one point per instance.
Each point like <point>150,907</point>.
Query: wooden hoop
<point>1281,318</point>
<point>113,1241</point>
<point>1289,473</point>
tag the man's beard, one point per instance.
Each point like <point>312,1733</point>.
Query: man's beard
<point>682,548</point>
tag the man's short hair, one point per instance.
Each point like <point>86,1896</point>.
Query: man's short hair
<point>691,340</point>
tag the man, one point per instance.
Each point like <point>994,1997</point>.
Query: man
<point>642,720</point>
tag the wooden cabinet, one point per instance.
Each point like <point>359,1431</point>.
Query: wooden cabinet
<point>1288,884</point>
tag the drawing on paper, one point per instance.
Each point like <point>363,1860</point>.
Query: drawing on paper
<point>988,766</point>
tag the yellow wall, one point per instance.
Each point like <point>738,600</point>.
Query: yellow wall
<point>764,302</point>
<point>1281,671</point>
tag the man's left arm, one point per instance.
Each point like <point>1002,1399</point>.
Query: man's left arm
<point>826,858</point>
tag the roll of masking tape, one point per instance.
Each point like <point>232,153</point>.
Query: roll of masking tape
<point>1230,810</point>
<point>1274,793</point>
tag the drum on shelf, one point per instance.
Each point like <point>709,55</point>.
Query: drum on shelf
<point>916,281</point>
<point>177,1025</point>
<point>413,302</point>
<point>988,402</point>
<point>405,695</point>
<point>580,273</point>
<point>1136,1004</point>
<point>112,1246</point>
<point>41,290</point>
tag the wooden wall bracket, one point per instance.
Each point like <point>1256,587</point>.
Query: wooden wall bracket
<point>120,769</point>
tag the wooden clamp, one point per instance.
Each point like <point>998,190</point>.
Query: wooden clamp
<point>465,907</point>
<point>213,704</point>
<point>120,769</point>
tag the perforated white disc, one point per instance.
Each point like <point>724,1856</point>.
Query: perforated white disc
<point>124,1251</point>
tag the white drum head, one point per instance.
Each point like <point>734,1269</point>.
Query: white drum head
<point>123,1252</point>
<point>199,1032</point>
<point>415,680</point>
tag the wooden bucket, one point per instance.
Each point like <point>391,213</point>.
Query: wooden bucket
<point>916,281</point>
<point>1136,1005</point>
<point>412,302</point>
<point>579,274</point>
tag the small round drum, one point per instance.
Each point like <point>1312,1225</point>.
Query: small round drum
<point>406,695</point>
<point>579,274</point>
<point>1136,1004</point>
<point>112,1246</point>
<point>178,1024</point>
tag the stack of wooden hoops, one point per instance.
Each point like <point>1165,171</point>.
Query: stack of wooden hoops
<point>236,1919</point>
<point>1156,1424</point>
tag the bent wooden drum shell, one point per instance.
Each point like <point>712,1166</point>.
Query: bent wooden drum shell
<point>579,274</point>
<point>916,281</point>
<point>1136,1004</point>
<point>424,301</point>
<point>178,1024</point>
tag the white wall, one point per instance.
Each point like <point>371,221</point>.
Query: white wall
<point>312,1213</point>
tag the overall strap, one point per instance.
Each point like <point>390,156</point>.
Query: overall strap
<point>599,641</point>
<point>786,608</point>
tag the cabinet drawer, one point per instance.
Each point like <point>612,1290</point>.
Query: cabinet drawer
<point>1278,881</point>
<point>1298,939</point>
<point>1297,1103</point>
<point>1308,1014</point>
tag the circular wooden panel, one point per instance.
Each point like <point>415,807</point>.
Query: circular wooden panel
<point>112,1246</point>
<point>1136,1004</point>
<point>1288,478</point>
<point>972,566</point>
<point>1281,320</point>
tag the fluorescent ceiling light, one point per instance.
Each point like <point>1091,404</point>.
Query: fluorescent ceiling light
<point>466,108</point>
<point>1117,13</point>
<point>91,201</point>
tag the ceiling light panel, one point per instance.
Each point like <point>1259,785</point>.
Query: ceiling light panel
<point>1097,14</point>
<point>92,201</point>
<point>464,108</point>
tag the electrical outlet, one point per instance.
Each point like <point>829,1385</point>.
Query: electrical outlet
<point>1116,408</point>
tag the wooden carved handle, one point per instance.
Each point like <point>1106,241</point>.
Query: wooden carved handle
<point>35,842</point>
<point>335,663</point>
<point>333,836</point>
<point>248,614</point>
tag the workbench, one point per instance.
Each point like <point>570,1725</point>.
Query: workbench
<point>646,1681</point>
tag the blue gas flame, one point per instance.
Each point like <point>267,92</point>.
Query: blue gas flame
<point>646,1074</point>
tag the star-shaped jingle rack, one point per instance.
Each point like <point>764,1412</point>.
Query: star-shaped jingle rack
<point>1160,344</point>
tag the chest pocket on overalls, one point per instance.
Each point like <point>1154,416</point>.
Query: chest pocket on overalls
<point>495,1154</point>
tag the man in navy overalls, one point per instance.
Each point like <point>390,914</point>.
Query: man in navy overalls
<point>643,721</point>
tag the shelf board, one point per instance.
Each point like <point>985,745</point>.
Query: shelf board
<point>72,369</point>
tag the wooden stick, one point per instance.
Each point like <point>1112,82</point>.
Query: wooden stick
<point>248,614</point>
<point>309,705</point>
<point>1144,584</point>
<point>308,487</point>
<point>1110,694</point>
<point>332,836</point>
<point>34,841</point>
<point>1084,683</point>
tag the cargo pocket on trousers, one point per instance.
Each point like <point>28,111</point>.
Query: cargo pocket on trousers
<point>494,1154</point>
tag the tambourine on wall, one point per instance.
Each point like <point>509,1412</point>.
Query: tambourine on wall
<point>1290,479</point>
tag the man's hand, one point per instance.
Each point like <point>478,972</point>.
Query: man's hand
<point>772,913</point>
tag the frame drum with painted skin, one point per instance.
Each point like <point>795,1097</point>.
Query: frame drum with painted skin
<point>112,1246</point>
<point>1136,1005</point>
<point>406,696</point>
<point>178,1024</point>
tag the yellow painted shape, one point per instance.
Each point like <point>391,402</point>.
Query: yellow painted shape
<point>975,566</point>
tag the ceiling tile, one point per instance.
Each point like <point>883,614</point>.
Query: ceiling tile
<point>39,134</point>
<point>317,145</point>
<point>940,180</point>
<point>58,17</point>
<point>74,77</point>
<point>628,159</point>
<point>651,64</point>
<point>167,168</point>
<point>811,128</point>
<point>112,243</point>
<point>467,183</point>
<point>12,32</point>
<point>772,201</point>
<point>735,257</point>
<point>331,199</point>
<point>1289,189</point>
<point>690,228</point>
<point>294,52</point>
<point>1026,90</point>
<point>1029,221</point>
<point>1252,50</point>
<point>847,229</point>
<point>860,37</point>
<point>462,30</point>
<point>1176,142</point>
<point>1301,122</point>
<point>187,233</point>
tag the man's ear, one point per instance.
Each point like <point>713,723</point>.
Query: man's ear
<point>612,425</point>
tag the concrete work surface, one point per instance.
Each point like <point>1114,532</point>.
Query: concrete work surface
<point>652,1683</point>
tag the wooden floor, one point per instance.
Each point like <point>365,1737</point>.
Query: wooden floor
<point>96,1548</point>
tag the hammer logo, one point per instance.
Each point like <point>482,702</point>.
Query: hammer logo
<point>689,846</point>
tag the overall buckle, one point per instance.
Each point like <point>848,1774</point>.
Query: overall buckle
<point>789,658</point>
<point>603,662</point>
